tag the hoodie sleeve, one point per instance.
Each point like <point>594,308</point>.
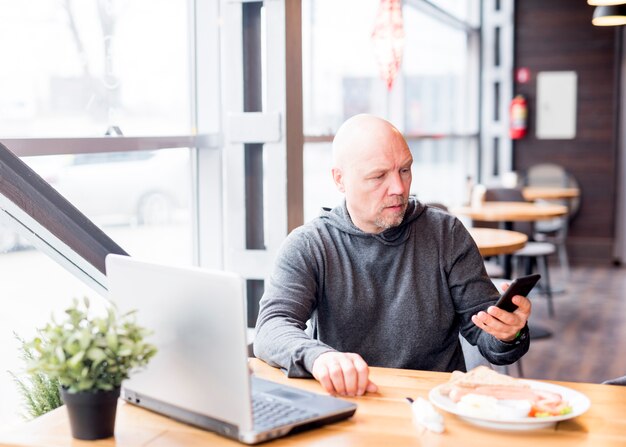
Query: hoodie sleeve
<point>289,300</point>
<point>472,291</point>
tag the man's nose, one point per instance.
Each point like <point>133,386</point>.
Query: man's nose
<point>396,184</point>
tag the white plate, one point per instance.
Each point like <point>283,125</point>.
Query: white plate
<point>579,402</point>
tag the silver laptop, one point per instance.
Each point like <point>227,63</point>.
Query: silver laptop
<point>200,374</point>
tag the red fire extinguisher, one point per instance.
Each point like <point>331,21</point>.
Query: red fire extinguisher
<point>518,116</point>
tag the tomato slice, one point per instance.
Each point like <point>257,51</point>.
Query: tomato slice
<point>547,408</point>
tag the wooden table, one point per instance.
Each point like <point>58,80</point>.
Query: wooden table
<point>493,241</point>
<point>508,212</point>
<point>382,419</point>
<point>532,193</point>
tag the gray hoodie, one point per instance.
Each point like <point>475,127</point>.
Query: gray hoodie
<point>399,298</point>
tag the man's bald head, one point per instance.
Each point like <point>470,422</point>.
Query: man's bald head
<point>358,135</point>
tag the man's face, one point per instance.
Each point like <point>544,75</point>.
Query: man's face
<point>377,182</point>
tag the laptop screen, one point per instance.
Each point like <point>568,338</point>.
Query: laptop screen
<point>198,321</point>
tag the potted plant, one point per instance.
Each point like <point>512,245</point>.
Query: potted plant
<point>90,357</point>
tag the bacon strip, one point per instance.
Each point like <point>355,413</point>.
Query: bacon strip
<point>500,392</point>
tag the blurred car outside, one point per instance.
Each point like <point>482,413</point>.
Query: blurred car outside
<point>117,188</point>
<point>143,187</point>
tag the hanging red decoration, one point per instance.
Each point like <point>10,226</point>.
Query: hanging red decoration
<point>388,39</point>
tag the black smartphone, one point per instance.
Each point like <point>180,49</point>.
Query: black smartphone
<point>520,286</point>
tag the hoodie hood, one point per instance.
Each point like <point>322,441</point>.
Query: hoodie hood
<point>339,217</point>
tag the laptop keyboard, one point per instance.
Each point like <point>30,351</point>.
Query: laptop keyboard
<point>269,413</point>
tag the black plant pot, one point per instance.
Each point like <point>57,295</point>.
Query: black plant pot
<point>92,414</point>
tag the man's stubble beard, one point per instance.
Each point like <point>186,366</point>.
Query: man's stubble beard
<point>392,221</point>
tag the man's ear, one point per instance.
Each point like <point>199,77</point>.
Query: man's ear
<point>338,178</point>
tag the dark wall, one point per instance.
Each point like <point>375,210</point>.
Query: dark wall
<point>555,35</point>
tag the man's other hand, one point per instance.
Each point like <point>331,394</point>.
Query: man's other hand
<point>343,373</point>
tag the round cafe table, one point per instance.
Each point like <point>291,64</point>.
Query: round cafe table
<point>508,212</point>
<point>532,193</point>
<point>493,241</point>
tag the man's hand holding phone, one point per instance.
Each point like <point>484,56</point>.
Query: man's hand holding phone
<point>506,319</point>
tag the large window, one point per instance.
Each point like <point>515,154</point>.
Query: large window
<point>141,199</point>
<point>76,68</point>
<point>466,11</point>
<point>433,100</point>
<point>73,72</point>
<point>434,71</point>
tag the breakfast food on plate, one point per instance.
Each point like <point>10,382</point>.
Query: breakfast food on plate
<point>483,391</point>
<point>491,408</point>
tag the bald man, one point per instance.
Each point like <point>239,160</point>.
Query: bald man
<point>382,279</point>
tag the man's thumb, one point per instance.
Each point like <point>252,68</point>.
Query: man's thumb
<point>371,387</point>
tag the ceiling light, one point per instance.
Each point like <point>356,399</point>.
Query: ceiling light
<point>609,15</point>
<point>605,2</point>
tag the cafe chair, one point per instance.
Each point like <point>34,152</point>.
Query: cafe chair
<point>554,230</point>
<point>494,270</point>
<point>616,381</point>
<point>534,253</point>
<point>474,358</point>
<point>553,175</point>
<point>472,355</point>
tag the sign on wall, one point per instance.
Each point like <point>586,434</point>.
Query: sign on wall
<point>556,105</point>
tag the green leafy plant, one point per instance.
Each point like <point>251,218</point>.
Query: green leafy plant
<point>39,393</point>
<point>90,354</point>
